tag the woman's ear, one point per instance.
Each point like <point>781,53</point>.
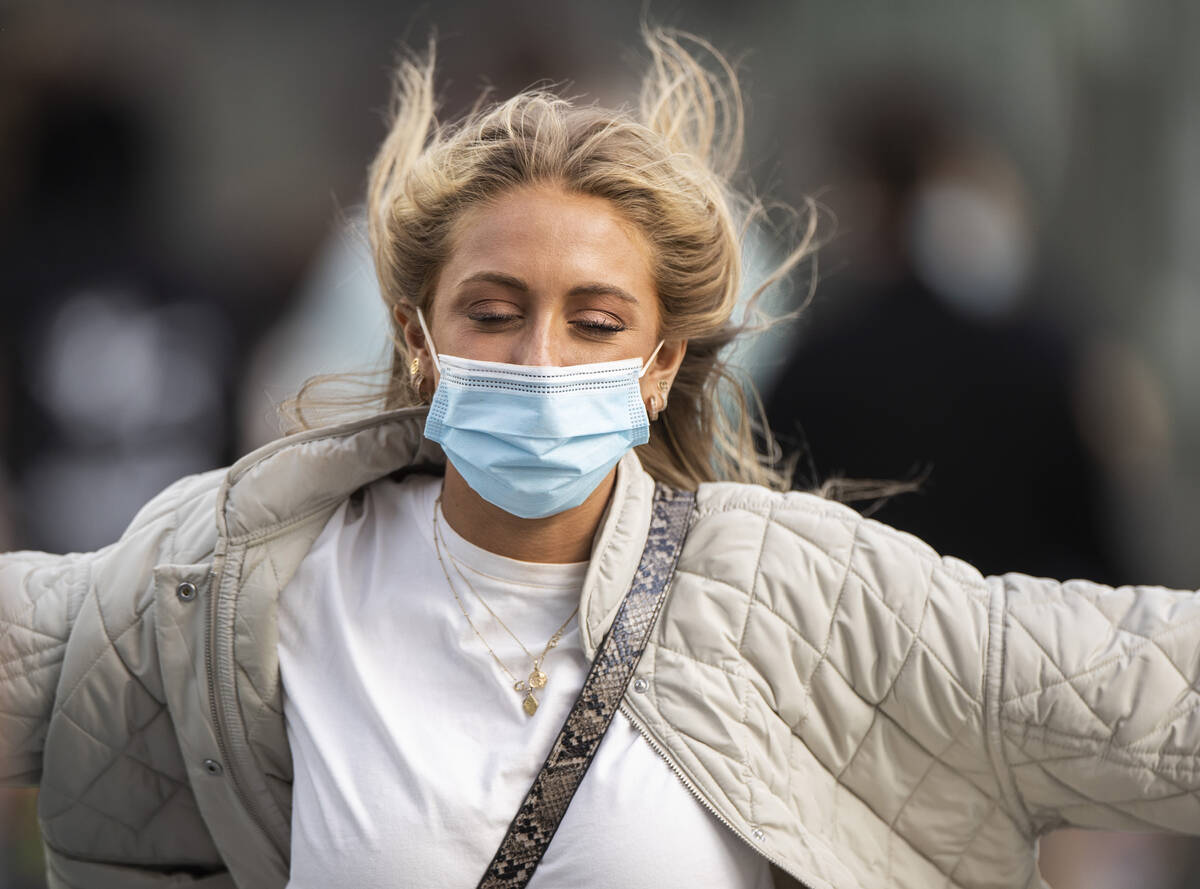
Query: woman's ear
<point>414,333</point>
<point>660,376</point>
<point>414,338</point>
<point>421,366</point>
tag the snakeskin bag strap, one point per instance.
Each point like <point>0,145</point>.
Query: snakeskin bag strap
<point>539,815</point>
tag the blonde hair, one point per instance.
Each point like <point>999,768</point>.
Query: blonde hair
<point>666,167</point>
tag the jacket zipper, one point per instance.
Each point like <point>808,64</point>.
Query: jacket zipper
<point>657,748</point>
<point>218,722</point>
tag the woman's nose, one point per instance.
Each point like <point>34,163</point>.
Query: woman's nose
<point>535,346</point>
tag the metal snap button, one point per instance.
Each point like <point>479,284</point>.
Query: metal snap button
<point>186,591</point>
<point>213,767</point>
<point>758,835</point>
<point>640,685</point>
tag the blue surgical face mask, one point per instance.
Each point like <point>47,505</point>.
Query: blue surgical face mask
<point>535,441</point>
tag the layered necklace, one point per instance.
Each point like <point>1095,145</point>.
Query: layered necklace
<point>537,676</point>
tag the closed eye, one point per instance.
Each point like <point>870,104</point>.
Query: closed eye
<point>492,317</point>
<point>600,327</point>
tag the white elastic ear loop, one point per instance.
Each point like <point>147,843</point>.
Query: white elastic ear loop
<point>429,341</point>
<point>650,360</point>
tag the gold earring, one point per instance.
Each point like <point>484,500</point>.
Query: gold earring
<point>664,385</point>
<point>416,378</point>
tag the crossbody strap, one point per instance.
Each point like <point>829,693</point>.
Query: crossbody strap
<point>539,815</point>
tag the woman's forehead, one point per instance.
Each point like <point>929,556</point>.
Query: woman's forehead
<point>550,238</point>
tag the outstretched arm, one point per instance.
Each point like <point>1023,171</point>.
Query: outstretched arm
<point>40,594</point>
<point>1094,703</point>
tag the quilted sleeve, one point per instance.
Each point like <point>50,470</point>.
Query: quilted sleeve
<point>39,597</point>
<point>1094,699</point>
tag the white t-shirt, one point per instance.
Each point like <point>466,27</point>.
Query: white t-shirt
<point>410,747</point>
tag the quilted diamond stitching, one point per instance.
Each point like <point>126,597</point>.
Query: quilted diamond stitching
<point>11,623</point>
<point>1107,662</point>
<point>149,819</point>
<point>754,509</point>
<point>24,619</point>
<point>76,798</point>
<point>972,587</point>
<point>73,803</point>
<point>1039,763</point>
<point>934,761</point>
<point>993,807</point>
<point>83,675</point>
<point>976,586</point>
<point>1164,725</point>
<point>125,751</point>
<point>949,673</point>
<point>243,625</point>
<point>753,592</point>
<point>760,603</point>
<point>263,696</point>
<point>1189,681</point>
<point>876,711</point>
<point>833,612</point>
<point>849,686</point>
<point>823,652</point>
<point>241,668</point>
<point>815,544</point>
<point>274,568</point>
<point>848,566</point>
<point>1134,800</point>
<point>1185,762</point>
<point>263,703</point>
<point>747,772</point>
<point>26,669</point>
<point>916,640</point>
<point>893,834</point>
<point>695,660</point>
<point>859,746</point>
<point>1067,680</point>
<point>912,645</point>
<point>1106,734</point>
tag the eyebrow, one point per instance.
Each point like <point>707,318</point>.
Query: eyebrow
<point>591,288</point>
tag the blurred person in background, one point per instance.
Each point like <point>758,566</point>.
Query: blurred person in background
<point>294,692</point>
<point>921,360</point>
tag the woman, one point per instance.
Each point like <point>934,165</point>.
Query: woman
<point>352,675</point>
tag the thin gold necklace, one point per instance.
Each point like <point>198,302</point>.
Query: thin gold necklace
<point>537,676</point>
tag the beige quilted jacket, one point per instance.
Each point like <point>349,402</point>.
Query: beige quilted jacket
<point>860,711</point>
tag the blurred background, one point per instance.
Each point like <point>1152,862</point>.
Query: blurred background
<point>1006,309</point>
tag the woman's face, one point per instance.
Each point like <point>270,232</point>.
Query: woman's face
<point>543,277</point>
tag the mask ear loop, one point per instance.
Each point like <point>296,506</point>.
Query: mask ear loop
<point>433,351</point>
<point>649,361</point>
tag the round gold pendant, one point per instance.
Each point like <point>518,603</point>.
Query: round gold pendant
<point>537,679</point>
<point>530,704</point>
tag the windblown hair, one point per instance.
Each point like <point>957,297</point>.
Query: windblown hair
<point>665,167</point>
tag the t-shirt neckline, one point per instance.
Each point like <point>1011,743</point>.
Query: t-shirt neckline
<point>557,576</point>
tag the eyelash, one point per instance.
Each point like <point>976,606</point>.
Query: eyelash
<point>599,326</point>
<point>595,327</point>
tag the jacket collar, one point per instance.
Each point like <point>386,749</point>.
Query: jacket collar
<point>292,479</point>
